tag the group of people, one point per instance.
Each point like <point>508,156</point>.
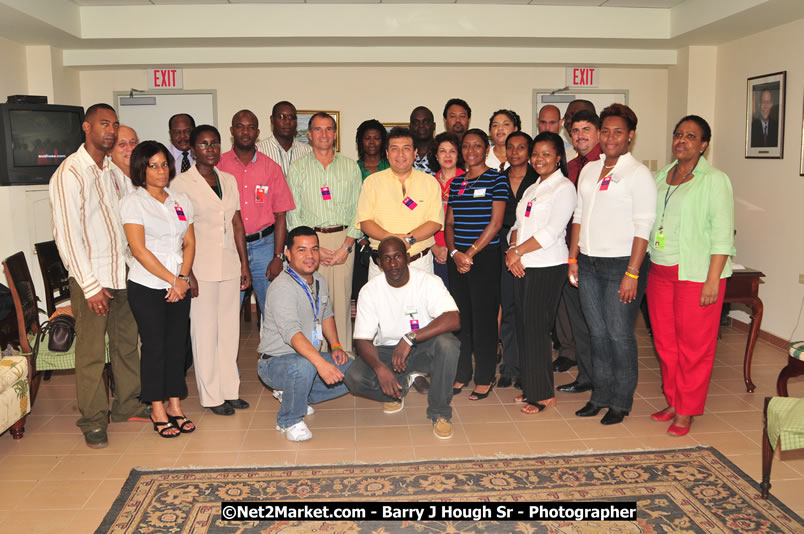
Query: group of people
<point>457,247</point>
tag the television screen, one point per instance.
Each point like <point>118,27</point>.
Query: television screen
<point>44,137</point>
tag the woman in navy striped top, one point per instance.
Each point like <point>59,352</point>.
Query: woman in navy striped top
<point>474,217</point>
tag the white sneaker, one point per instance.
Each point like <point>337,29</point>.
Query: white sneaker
<point>297,432</point>
<point>278,396</point>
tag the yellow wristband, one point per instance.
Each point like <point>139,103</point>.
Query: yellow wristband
<point>629,275</point>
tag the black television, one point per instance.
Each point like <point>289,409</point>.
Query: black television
<point>35,139</point>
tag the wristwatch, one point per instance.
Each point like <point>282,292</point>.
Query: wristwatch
<point>411,337</point>
<point>279,257</point>
<point>410,239</point>
<point>454,251</point>
<point>183,277</point>
<point>349,248</point>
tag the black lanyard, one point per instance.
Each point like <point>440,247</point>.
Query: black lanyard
<point>669,194</point>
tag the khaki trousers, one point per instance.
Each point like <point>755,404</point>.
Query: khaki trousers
<point>339,280</point>
<point>90,358</point>
<point>215,331</point>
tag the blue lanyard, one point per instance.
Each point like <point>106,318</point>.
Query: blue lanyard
<point>304,286</point>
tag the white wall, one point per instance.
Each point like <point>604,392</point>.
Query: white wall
<point>14,79</point>
<point>768,193</point>
<point>390,93</point>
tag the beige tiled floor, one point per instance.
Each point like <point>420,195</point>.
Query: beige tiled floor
<point>51,482</point>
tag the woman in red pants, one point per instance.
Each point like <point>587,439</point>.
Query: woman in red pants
<point>690,250</point>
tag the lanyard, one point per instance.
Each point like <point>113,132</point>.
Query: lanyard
<point>669,194</point>
<point>306,288</point>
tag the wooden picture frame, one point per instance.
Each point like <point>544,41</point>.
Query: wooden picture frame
<point>303,120</point>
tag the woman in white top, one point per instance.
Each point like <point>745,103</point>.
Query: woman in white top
<point>611,226</point>
<point>159,229</point>
<point>537,257</point>
<point>502,123</point>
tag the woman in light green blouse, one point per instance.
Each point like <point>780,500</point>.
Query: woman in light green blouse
<point>690,250</point>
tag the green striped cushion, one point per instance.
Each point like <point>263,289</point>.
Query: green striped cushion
<point>796,350</point>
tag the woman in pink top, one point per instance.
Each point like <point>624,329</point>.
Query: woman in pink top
<point>448,156</point>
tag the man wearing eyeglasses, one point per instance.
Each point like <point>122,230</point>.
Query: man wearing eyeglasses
<point>180,126</point>
<point>264,199</point>
<point>282,146</point>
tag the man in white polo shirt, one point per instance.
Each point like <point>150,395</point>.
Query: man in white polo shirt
<point>404,325</point>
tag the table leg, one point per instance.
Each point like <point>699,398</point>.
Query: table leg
<point>757,308</point>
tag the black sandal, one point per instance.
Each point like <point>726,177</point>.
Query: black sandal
<point>480,396</point>
<point>174,419</point>
<point>167,425</point>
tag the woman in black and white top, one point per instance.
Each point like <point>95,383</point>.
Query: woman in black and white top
<point>537,257</point>
<point>608,261</point>
<point>159,229</point>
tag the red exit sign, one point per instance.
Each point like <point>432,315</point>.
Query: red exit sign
<point>582,76</point>
<point>165,79</point>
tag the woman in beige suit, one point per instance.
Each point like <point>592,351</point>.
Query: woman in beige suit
<point>219,272</point>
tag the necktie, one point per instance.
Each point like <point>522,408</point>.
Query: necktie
<point>185,162</point>
<point>582,161</point>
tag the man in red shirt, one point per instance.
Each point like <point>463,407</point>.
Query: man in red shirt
<point>583,130</point>
<point>264,199</point>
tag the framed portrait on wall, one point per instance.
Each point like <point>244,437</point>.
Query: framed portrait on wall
<point>391,125</point>
<point>303,121</point>
<point>764,122</point>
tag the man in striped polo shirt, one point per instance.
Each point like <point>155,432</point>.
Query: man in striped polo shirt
<point>325,187</point>
<point>85,192</point>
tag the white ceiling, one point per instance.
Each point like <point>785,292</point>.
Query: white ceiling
<point>656,4</point>
<point>132,33</point>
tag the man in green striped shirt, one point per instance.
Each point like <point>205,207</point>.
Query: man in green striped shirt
<point>325,187</point>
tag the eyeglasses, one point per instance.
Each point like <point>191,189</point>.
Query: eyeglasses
<point>204,145</point>
<point>287,117</point>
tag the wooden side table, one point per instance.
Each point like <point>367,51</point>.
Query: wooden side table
<point>743,287</point>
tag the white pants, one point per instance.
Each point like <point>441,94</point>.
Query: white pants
<point>215,331</point>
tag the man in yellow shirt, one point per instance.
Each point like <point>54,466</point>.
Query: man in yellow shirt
<point>402,202</point>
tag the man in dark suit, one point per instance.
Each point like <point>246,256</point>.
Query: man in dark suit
<point>765,129</point>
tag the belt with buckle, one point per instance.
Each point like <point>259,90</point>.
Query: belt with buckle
<point>376,255</point>
<point>329,229</point>
<point>268,230</point>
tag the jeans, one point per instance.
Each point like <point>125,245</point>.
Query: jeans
<point>508,333</point>
<point>260,254</point>
<point>438,357</point>
<point>611,328</point>
<point>298,379</point>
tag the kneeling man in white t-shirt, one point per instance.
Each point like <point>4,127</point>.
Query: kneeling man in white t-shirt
<point>404,325</point>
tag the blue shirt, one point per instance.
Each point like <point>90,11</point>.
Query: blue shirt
<point>471,208</point>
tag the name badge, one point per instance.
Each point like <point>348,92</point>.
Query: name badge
<point>604,185</point>
<point>480,193</point>
<point>180,213</point>
<point>658,244</point>
<point>317,336</point>
<point>414,324</point>
<point>409,203</point>
<point>325,194</point>
<point>463,187</point>
<point>527,209</point>
<point>259,193</point>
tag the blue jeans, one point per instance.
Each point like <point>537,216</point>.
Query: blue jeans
<point>611,329</point>
<point>298,379</point>
<point>260,254</point>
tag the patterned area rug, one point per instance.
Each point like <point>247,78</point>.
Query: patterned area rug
<point>678,491</point>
